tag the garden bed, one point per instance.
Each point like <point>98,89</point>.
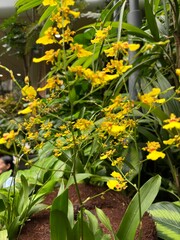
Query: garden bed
<point>112,203</point>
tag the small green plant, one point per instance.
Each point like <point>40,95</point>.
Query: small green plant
<point>86,226</point>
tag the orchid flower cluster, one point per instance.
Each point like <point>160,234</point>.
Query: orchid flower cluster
<point>53,119</point>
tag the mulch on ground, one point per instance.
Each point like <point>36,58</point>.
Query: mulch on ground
<point>113,204</point>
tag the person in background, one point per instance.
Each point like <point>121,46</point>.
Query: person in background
<point>6,163</point>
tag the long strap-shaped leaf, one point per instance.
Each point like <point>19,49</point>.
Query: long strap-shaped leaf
<point>24,5</point>
<point>130,221</point>
<point>60,226</point>
<point>151,20</point>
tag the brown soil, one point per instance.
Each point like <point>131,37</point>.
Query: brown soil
<point>112,203</point>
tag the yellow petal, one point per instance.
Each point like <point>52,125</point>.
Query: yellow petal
<point>178,71</point>
<point>45,40</point>
<point>2,141</point>
<point>134,47</point>
<point>154,155</point>
<point>29,91</point>
<point>25,111</point>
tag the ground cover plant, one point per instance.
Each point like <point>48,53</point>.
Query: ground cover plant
<point>89,128</point>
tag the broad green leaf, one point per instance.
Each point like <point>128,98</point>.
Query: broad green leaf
<point>105,237</point>
<point>79,178</point>
<point>86,62</point>
<point>156,5</point>
<point>167,219</point>
<point>164,84</point>
<point>59,224</point>
<point>92,221</point>
<point>132,161</point>
<point>4,195</point>
<point>177,203</point>
<point>46,13</point>
<point>46,150</point>
<point>131,220</point>
<point>151,20</point>
<point>61,202</point>
<point>104,219</point>
<point>4,176</point>
<point>23,197</point>
<point>133,30</point>
<point>70,213</point>
<point>45,189</point>
<point>58,170</point>
<point>87,232</point>
<point>81,228</point>
<point>3,235</point>
<point>37,208</point>
<point>72,95</point>
<point>48,23</point>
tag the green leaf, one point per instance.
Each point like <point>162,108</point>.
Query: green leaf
<point>167,218</point>
<point>86,62</point>
<point>72,95</point>
<point>13,228</point>
<point>87,233</point>
<point>46,25</point>
<point>131,220</point>
<point>155,111</point>
<point>45,189</point>
<point>151,20</point>
<point>22,198</point>
<point>108,14</point>
<point>60,226</point>
<point>26,5</point>
<point>92,221</point>
<point>104,219</point>
<point>37,208</point>
<point>4,176</point>
<point>120,82</point>
<point>121,20</point>
<point>2,206</point>
<point>46,13</point>
<point>70,213</point>
<point>79,178</point>
<point>3,235</point>
<point>81,227</point>
<point>61,202</point>
<point>132,161</point>
<point>164,84</point>
<point>149,135</point>
<point>156,5</point>
<point>133,30</point>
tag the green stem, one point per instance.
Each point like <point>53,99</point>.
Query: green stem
<point>97,195</point>
<point>139,202</point>
<point>11,74</point>
<point>75,180</point>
